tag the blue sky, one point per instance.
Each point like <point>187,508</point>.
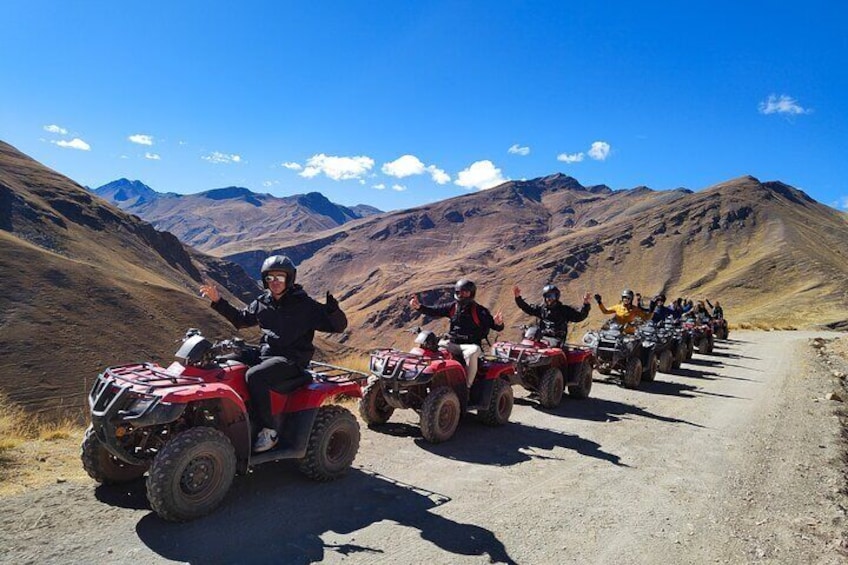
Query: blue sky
<point>396,104</point>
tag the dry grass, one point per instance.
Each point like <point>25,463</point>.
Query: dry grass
<point>35,450</point>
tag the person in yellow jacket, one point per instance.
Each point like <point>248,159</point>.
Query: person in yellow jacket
<point>625,311</point>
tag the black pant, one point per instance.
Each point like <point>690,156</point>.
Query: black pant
<point>272,373</point>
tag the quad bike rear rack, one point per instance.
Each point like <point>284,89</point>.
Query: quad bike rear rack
<point>333,374</point>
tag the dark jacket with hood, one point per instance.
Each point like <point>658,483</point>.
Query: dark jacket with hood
<point>288,324</point>
<point>469,322</point>
<point>554,319</point>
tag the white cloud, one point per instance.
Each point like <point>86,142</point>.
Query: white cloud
<point>599,150</point>
<point>75,143</point>
<point>152,156</point>
<point>782,104</point>
<point>292,166</point>
<point>842,203</point>
<point>480,175</point>
<point>380,186</point>
<point>404,166</point>
<point>141,139</point>
<point>409,165</point>
<point>518,150</point>
<point>218,157</point>
<point>438,175</point>
<point>53,128</point>
<point>398,187</point>
<point>570,157</point>
<point>337,168</point>
<point>270,183</point>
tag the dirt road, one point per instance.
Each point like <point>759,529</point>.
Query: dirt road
<point>734,459</point>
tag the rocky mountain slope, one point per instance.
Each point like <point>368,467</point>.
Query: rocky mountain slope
<point>214,220</point>
<point>770,253</point>
<point>85,285</point>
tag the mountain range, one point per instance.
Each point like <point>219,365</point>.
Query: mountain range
<point>771,254</point>
<point>214,220</point>
<point>87,284</point>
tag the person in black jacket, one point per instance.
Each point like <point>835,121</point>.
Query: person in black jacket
<point>288,318</point>
<point>553,315</point>
<point>469,323</point>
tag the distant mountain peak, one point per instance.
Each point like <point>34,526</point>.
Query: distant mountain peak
<point>227,193</point>
<point>123,190</point>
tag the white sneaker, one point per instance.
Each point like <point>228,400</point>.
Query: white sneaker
<point>266,440</point>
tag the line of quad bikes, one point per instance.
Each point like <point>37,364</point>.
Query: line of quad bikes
<point>187,425</point>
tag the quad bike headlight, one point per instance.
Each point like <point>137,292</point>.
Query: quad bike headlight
<point>590,339</point>
<point>140,405</point>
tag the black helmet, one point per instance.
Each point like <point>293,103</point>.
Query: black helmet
<point>550,289</point>
<point>627,293</point>
<point>427,340</point>
<point>279,263</point>
<point>659,297</point>
<point>464,284</point>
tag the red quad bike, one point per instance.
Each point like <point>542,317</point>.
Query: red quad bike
<point>546,369</point>
<point>432,381</point>
<point>187,425</point>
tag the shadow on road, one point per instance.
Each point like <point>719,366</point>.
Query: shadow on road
<point>693,374</point>
<point>670,388</point>
<point>601,410</point>
<point>512,444</point>
<point>131,495</point>
<point>274,515</point>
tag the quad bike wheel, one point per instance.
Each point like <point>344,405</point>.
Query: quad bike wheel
<point>666,363</point>
<point>632,372</point>
<point>373,407</point>
<point>440,414</point>
<point>649,369</point>
<point>333,444</point>
<point>104,467</point>
<point>704,347</point>
<point>584,381</point>
<point>551,386</point>
<point>500,404</point>
<point>690,349</point>
<point>680,357</point>
<point>191,474</point>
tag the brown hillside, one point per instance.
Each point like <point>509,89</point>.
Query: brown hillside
<point>86,285</point>
<point>772,255</point>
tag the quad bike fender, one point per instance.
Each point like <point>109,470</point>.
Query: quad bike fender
<point>207,391</point>
<point>496,370</point>
<point>576,355</point>
<point>317,394</point>
<point>451,373</point>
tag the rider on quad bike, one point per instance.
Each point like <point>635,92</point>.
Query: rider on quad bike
<point>469,323</point>
<point>626,312</point>
<point>288,318</point>
<point>553,315</point>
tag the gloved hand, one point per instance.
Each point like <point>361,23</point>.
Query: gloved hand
<point>332,303</point>
<point>598,298</point>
